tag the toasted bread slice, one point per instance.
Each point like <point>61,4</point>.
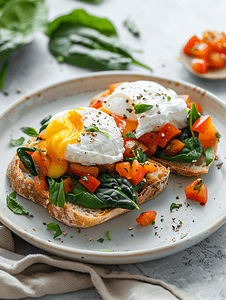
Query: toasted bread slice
<point>75,215</point>
<point>180,168</point>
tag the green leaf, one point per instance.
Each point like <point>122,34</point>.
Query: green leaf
<point>141,108</point>
<point>198,185</point>
<point>3,72</point>
<point>174,205</point>
<point>46,120</point>
<point>56,192</point>
<point>193,116</point>
<point>100,240</point>
<point>80,17</point>
<point>209,155</point>
<point>108,236</point>
<point>29,131</point>
<point>54,227</point>
<point>26,158</point>
<point>129,135</point>
<point>191,152</point>
<point>95,128</point>
<point>17,142</point>
<point>19,20</point>
<point>132,27</point>
<point>217,135</point>
<point>92,1</point>
<point>141,157</point>
<point>15,206</point>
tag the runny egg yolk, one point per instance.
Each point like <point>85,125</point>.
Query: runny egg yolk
<point>124,125</point>
<point>63,130</point>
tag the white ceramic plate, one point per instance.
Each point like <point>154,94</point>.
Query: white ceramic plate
<point>130,246</point>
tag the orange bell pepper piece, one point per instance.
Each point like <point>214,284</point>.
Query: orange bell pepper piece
<point>190,44</point>
<point>81,170</point>
<point>137,173</point>
<point>166,133</point>
<point>198,107</point>
<point>133,145</point>
<point>197,191</point>
<point>39,165</point>
<point>149,167</point>
<point>68,185</point>
<point>209,137</point>
<point>146,218</point>
<point>90,182</point>
<point>40,183</point>
<point>202,124</point>
<point>124,169</point>
<point>173,147</point>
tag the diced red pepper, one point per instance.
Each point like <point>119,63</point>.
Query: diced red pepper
<point>146,218</point>
<point>200,65</point>
<point>90,182</point>
<point>81,170</point>
<point>173,147</point>
<point>40,183</point>
<point>150,167</point>
<point>190,44</point>
<point>137,173</point>
<point>166,133</point>
<point>124,169</point>
<point>197,191</point>
<point>202,124</point>
<point>68,185</point>
<point>133,145</point>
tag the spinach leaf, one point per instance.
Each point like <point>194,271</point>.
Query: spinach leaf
<point>56,192</point>
<point>191,152</point>
<point>54,227</point>
<point>46,119</point>
<point>26,158</point>
<point>209,155</point>
<point>139,185</point>
<point>92,1</point>
<point>17,142</point>
<point>78,39</point>
<point>19,20</point>
<point>132,27</point>
<point>106,196</point>
<point>15,206</point>
<point>3,72</point>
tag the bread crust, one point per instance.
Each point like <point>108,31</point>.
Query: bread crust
<point>75,215</point>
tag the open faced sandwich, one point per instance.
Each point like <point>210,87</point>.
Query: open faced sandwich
<point>168,128</point>
<point>76,169</point>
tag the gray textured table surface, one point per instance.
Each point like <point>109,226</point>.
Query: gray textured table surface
<point>165,25</point>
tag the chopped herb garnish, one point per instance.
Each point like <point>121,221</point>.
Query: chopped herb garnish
<point>71,236</point>
<point>100,240</point>
<point>15,206</point>
<point>54,227</point>
<point>132,27</point>
<point>108,236</point>
<point>46,119</point>
<point>17,142</point>
<point>168,98</point>
<point>95,128</point>
<point>153,223</point>
<point>174,205</point>
<point>141,108</point>
<point>198,186</point>
<point>183,235</point>
<point>129,135</point>
<point>143,213</point>
<point>217,135</point>
<point>29,131</point>
<point>85,179</point>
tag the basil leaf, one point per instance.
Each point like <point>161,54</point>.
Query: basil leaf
<point>26,158</point>
<point>129,135</point>
<point>141,157</point>
<point>3,72</point>
<point>45,120</point>
<point>15,206</point>
<point>29,131</point>
<point>193,116</point>
<point>209,155</point>
<point>17,142</point>
<point>80,39</point>
<point>54,227</point>
<point>100,240</point>
<point>141,108</point>
<point>132,27</point>
<point>191,152</point>
<point>56,192</point>
<point>43,127</point>
<point>19,20</point>
<point>95,128</point>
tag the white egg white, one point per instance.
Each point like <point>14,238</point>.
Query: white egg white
<point>167,106</point>
<point>103,147</point>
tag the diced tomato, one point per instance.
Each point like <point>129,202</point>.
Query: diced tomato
<point>200,50</point>
<point>166,133</point>
<point>81,170</point>
<point>90,182</point>
<point>209,137</point>
<point>39,165</point>
<point>137,173</point>
<point>190,44</point>
<point>68,185</point>
<point>97,103</point>
<point>198,107</point>
<point>197,191</point>
<point>150,140</point>
<point>133,145</point>
<point>124,169</point>
<point>150,167</point>
<point>217,60</point>
<point>185,98</point>
<point>200,65</point>
<point>146,218</point>
<point>173,147</point>
<point>113,86</point>
<point>201,124</point>
<point>218,42</point>
<point>40,183</point>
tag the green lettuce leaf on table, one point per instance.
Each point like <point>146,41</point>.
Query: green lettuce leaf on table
<point>19,20</point>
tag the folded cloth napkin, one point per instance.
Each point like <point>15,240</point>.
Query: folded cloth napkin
<point>36,275</point>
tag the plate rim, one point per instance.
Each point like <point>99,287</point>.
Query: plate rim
<point>181,244</point>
